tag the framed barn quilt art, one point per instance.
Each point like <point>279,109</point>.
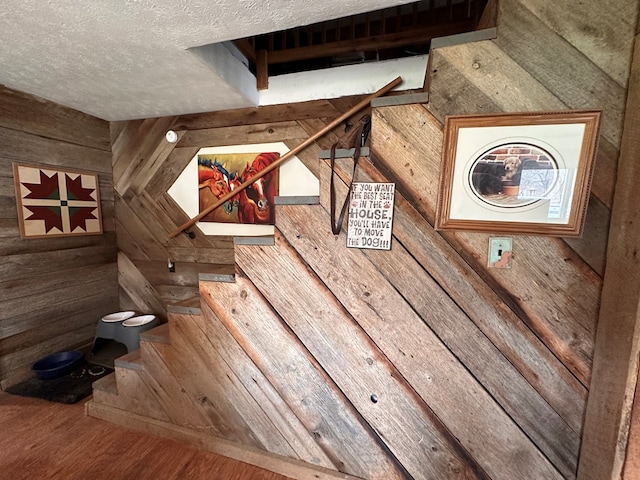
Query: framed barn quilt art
<point>54,202</point>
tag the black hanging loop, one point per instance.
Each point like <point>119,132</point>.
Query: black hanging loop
<point>354,139</point>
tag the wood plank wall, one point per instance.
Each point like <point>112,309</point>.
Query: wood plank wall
<point>52,290</point>
<point>415,363</point>
<point>609,443</point>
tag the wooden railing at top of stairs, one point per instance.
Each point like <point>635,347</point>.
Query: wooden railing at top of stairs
<point>352,111</point>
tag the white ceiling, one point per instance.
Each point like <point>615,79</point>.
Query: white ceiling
<point>124,59</point>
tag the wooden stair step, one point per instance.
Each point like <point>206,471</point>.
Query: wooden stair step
<point>105,390</point>
<point>131,361</point>
<point>106,384</point>
<point>159,334</point>
<point>134,394</point>
<point>213,272</point>
<point>190,306</point>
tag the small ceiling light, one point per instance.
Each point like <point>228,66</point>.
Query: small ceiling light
<point>171,136</point>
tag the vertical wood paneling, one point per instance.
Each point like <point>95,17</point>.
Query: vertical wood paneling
<point>53,290</point>
<point>617,358</point>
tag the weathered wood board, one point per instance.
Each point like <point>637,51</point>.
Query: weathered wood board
<point>566,319</point>
<point>298,379</point>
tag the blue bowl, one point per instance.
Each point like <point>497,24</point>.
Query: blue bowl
<point>57,364</point>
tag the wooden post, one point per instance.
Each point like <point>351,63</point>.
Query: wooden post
<point>262,69</point>
<point>605,441</point>
<point>353,110</point>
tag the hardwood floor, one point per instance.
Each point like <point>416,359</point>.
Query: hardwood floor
<point>45,440</point>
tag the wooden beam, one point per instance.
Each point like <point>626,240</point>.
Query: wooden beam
<point>489,16</point>
<point>616,358</point>
<point>391,40</point>
<point>246,48</point>
<point>262,70</point>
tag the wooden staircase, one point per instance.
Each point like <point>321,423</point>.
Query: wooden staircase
<point>318,359</point>
<point>158,389</point>
<point>131,387</point>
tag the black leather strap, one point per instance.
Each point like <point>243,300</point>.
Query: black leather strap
<point>356,141</point>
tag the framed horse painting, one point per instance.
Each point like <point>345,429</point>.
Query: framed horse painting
<point>219,174</point>
<point>526,173</point>
<point>214,172</point>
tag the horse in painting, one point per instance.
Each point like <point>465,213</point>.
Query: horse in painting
<point>255,203</point>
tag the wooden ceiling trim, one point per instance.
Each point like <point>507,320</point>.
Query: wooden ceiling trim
<point>254,115</point>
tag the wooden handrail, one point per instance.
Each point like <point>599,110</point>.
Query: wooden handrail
<point>353,110</point>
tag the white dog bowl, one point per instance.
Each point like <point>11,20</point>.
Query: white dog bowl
<point>138,321</point>
<point>118,316</point>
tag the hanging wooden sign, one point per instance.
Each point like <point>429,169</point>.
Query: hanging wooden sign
<point>371,216</point>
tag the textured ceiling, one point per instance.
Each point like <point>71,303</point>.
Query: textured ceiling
<point>124,59</point>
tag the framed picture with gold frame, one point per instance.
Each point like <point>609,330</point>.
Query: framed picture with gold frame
<point>526,173</point>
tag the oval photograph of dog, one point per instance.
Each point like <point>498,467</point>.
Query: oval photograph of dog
<point>514,175</point>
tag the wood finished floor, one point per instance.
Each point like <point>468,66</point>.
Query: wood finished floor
<point>45,440</point>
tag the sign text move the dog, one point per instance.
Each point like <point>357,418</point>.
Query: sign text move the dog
<point>371,216</point>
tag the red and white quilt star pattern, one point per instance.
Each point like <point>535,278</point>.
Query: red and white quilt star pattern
<point>54,202</point>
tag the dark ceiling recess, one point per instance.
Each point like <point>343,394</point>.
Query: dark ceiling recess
<point>394,32</point>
